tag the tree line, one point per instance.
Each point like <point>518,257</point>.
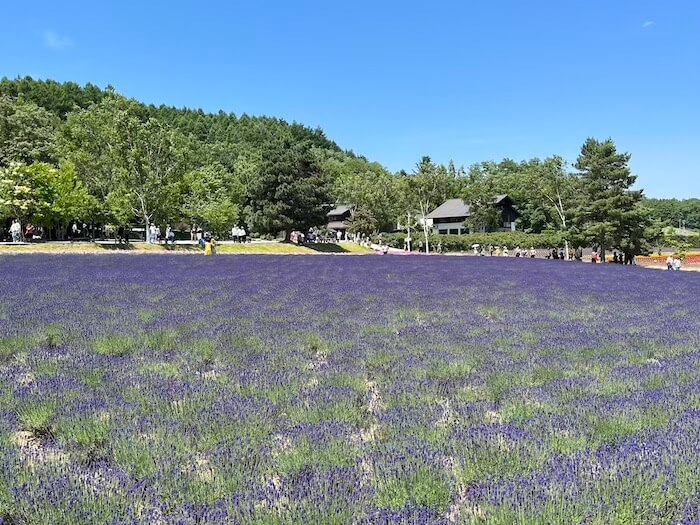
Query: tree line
<point>70,152</point>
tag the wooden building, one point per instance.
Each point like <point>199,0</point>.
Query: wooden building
<point>449,217</point>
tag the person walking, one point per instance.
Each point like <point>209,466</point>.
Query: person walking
<point>669,262</point>
<point>676,263</point>
<point>532,252</point>
<point>594,256</point>
<point>578,254</point>
<point>505,251</point>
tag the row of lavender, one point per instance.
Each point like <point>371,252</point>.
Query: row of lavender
<point>263,389</point>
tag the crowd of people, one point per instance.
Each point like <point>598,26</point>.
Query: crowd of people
<point>155,235</point>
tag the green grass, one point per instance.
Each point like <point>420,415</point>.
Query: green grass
<point>37,417</point>
<point>116,345</point>
<point>425,487</point>
<point>337,453</point>
<point>246,248</point>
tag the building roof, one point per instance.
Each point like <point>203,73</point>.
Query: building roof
<point>499,198</point>
<point>450,208</point>
<point>340,209</point>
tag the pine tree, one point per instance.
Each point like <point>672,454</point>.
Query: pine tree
<point>607,208</point>
<point>289,192</point>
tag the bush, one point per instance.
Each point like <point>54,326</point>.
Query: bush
<point>463,243</point>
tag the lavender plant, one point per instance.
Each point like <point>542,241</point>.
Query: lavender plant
<point>346,390</point>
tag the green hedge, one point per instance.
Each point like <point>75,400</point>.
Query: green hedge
<point>463,243</point>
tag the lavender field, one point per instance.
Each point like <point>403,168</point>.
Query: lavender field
<point>362,390</point>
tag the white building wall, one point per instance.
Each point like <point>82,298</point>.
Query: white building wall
<point>456,227</point>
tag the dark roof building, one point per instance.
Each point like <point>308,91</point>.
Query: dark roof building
<point>449,217</point>
<point>450,209</point>
<point>339,217</point>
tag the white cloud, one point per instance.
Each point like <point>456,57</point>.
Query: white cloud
<point>648,23</point>
<point>52,40</point>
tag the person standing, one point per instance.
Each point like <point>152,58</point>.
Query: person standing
<point>669,262</point>
<point>170,236</point>
<point>578,254</point>
<point>532,252</point>
<point>15,230</point>
<point>505,251</point>
<point>594,256</point>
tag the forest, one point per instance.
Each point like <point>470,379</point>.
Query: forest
<point>84,153</point>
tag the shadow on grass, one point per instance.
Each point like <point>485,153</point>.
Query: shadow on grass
<point>155,248</point>
<point>327,248</point>
<point>116,247</point>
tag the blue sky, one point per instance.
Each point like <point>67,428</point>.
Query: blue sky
<point>393,81</point>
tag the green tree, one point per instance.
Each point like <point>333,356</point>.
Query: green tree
<point>477,190</point>
<point>135,166</point>
<point>212,197</point>
<point>42,194</point>
<point>27,132</point>
<point>363,221</point>
<point>607,207</point>
<point>70,200</point>
<point>365,184</point>
<point>289,191</point>
<point>553,190</point>
<point>427,187</point>
<point>22,196</point>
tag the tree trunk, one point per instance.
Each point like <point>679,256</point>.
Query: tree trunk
<point>427,243</point>
<point>408,227</point>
